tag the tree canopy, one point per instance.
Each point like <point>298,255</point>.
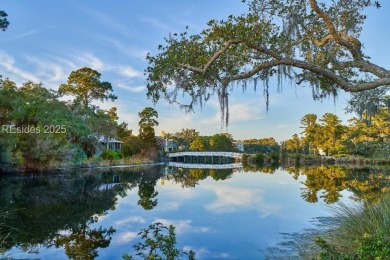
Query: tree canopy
<point>148,120</point>
<point>86,86</point>
<point>309,42</point>
<point>3,20</point>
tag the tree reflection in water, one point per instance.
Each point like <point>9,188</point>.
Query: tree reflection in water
<point>147,194</point>
<point>48,210</point>
<point>62,210</point>
<point>82,241</point>
<point>366,183</point>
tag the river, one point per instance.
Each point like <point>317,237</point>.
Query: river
<point>238,213</point>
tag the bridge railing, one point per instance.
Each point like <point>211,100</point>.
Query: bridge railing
<point>205,166</point>
<point>224,154</point>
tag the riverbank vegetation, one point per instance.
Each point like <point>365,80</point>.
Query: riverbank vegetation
<point>365,138</point>
<point>360,232</point>
<point>355,231</point>
<point>40,130</point>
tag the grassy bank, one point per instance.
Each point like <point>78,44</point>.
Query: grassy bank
<point>306,159</point>
<point>99,162</point>
<point>360,231</point>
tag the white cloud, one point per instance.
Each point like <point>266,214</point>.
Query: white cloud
<point>229,199</point>
<point>183,226</point>
<point>91,61</point>
<point>130,51</point>
<point>157,24</point>
<point>10,70</point>
<point>247,111</point>
<point>125,237</point>
<point>110,22</point>
<point>20,36</point>
<point>128,72</point>
<point>135,89</point>
<point>204,253</point>
<point>50,71</point>
<point>133,219</point>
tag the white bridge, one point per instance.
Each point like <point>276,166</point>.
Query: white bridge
<point>216,154</point>
<point>205,166</point>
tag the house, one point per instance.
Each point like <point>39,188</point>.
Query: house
<point>239,145</point>
<point>166,144</point>
<point>111,143</point>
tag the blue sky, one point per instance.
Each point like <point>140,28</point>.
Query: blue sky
<point>47,40</point>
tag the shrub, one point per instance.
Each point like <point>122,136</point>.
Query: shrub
<point>111,155</point>
<point>361,232</point>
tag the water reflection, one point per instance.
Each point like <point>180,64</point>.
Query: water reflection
<point>82,241</point>
<point>366,183</point>
<point>61,210</point>
<point>189,178</point>
<point>65,210</point>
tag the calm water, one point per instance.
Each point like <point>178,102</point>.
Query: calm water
<point>220,214</point>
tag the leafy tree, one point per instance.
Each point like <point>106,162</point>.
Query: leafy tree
<point>159,242</point>
<point>34,106</point>
<point>85,85</point>
<point>148,120</point>
<point>123,131</point>
<point>3,20</point>
<point>263,145</point>
<point>366,104</point>
<point>147,194</point>
<point>148,116</point>
<point>308,41</point>
<point>311,131</point>
<point>183,138</point>
<point>112,113</point>
<point>83,242</point>
<point>221,174</point>
<point>199,144</point>
<point>294,144</point>
<point>331,131</point>
<point>369,141</point>
<point>221,142</point>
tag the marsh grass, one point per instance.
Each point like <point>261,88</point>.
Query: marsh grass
<point>5,228</point>
<point>354,231</point>
<point>360,231</point>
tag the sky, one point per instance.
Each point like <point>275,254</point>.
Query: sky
<point>47,40</point>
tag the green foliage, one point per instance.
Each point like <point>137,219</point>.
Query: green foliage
<point>221,142</point>
<point>3,20</point>
<point>147,194</point>
<point>358,138</point>
<point>62,133</point>
<point>183,138</point>
<point>320,40</point>
<point>199,144</point>
<point>244,157</point>
<point>148,116</point>
<point>373,247</point>
<point>159,242</point>
<point>367,104</point>
<point>274,157</point>
<point>359,233</point>
<point>111,155</point>
<point>148,120</point>
<point>367,247</point>
<point>264,145</point>
<point>259,158</point>
<point>85,85</point>
<point>217,142</point>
